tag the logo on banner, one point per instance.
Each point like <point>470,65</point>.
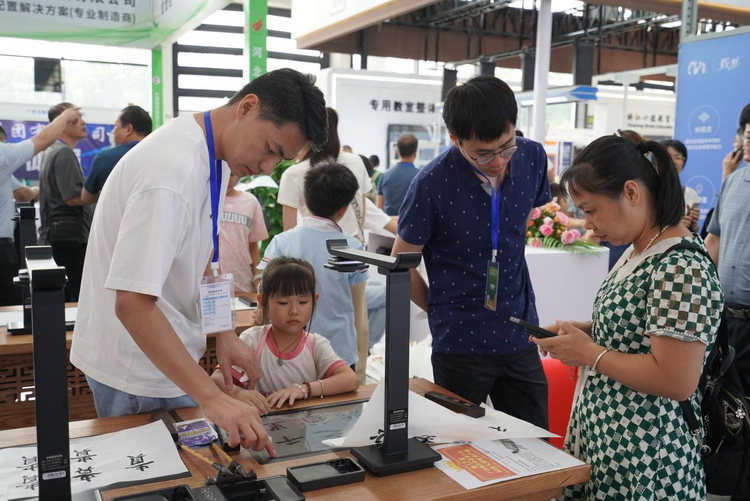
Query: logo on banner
<point>696,68</point>
<point>729,63</point>
<point>704,120</point>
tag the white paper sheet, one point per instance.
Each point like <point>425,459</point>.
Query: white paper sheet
<point>488,462</point>
<point>8,317</point>
<point>435,424</point>
<point>134,455</point>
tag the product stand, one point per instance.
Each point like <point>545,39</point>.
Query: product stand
<point>47,284</point>
<point>26,218</point>
<point>397,453</point>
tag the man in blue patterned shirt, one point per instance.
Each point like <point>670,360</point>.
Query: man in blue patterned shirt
<point>728,241</point>
<point>467,213</point>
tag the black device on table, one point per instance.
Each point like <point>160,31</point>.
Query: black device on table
<point>532,329</point>
<point>247,301</point>
<point>454,404</point>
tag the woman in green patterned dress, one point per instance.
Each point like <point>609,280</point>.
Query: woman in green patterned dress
<point>654,322</point>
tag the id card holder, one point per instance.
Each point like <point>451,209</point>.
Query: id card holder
<point>217,304</point>
<point>490,293</point>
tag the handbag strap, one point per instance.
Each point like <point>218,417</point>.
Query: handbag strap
<point>722,343</point>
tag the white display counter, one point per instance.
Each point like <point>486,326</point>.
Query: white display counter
<point>565,283</point>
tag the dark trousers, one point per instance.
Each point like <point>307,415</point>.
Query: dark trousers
<point>516,383</point>
<point>739,338</point>
<point>71,257</point>
<point>9,294</point>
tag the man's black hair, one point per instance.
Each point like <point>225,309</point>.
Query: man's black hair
<point>678,146</point>
<point>138,118</point>
<point>744,118</point>
<point>328,188</point>
<point>374,160</point>
<point>288,96</point>
<point>407,145</point>
<point>484,108</point>
<point>57,110</point>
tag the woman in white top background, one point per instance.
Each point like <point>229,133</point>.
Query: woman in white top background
<point>678,152</point>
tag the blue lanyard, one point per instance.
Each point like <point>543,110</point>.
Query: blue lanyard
<point>495,225</point>
<point>215,179</point>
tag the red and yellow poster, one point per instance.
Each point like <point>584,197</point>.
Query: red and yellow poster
<point>476,463</point>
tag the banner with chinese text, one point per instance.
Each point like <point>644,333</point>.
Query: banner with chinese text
<point>712,76</point>
<point>131,23</point>
<point>96,141</point>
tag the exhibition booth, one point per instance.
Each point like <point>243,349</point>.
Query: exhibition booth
<point>399,435</point>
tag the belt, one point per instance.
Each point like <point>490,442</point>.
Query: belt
<point>6,240</point>
<point>741,313</point>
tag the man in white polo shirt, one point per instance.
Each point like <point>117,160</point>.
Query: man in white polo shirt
<point>138,333</point>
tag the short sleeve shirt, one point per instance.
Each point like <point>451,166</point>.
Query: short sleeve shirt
<point>334,311</point>
<point>312,359</point>
<point>731,222</point>
<point>102,166</point>
<point>394,184</point>
<point>292,192</point>
<point>448,211</point>
<point>242,223</point>
<point>152,234</point>
<point>60,180</point>
<point>12,156</point>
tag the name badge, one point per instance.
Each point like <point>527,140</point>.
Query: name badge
<point>490,294</point>
<point>217,306</point>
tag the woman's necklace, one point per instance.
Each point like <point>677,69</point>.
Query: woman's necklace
<point>648,245</point>
<point>279,361</point>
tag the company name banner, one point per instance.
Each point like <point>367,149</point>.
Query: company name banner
<point>133,23</point>
<point>97,140</point>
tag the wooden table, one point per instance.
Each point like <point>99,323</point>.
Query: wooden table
<point>430,483</point>
<point>17,375</point>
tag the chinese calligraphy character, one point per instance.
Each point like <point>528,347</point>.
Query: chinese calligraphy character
<point>385,105</point>
<point>12,6</point>
<point>374,104</point>
<point>115,16</point>
<point>85,474</point>
<point>498,428</point>
<point>420,107</point>
<point>257,71</point>
<point>431,108</point>
<point>29,483</point>
<point>291,441</point>
<point>113,2</point>
<point>257,52</point>
<point>90,14</point>
<point>103,15</point>
<point>127,18</point>
<point>276,427</point>
<point>51,10</point>
<point>397,106</point>
<point>409,107</point>
<point>379,437</point>
<point>138,463</point>
<point>83,456</point>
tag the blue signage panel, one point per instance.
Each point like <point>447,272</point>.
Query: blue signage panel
<point>711,91</point>
<point>20,130</point>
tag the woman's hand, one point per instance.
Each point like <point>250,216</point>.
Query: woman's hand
<point>291,394</point>
<point>256,399</point>
<point>572,346</point>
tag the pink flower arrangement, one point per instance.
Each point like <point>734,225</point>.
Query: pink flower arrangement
<point>549,228</point>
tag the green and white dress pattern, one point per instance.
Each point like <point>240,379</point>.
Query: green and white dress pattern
<point>639,446</point>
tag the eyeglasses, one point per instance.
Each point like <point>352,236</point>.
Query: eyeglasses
<point>486,158</point>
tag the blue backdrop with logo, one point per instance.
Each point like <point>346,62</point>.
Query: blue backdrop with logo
<point>712,85</point>
<point>96,141</point>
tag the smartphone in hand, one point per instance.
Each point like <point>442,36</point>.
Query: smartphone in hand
<point>532,329</point>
